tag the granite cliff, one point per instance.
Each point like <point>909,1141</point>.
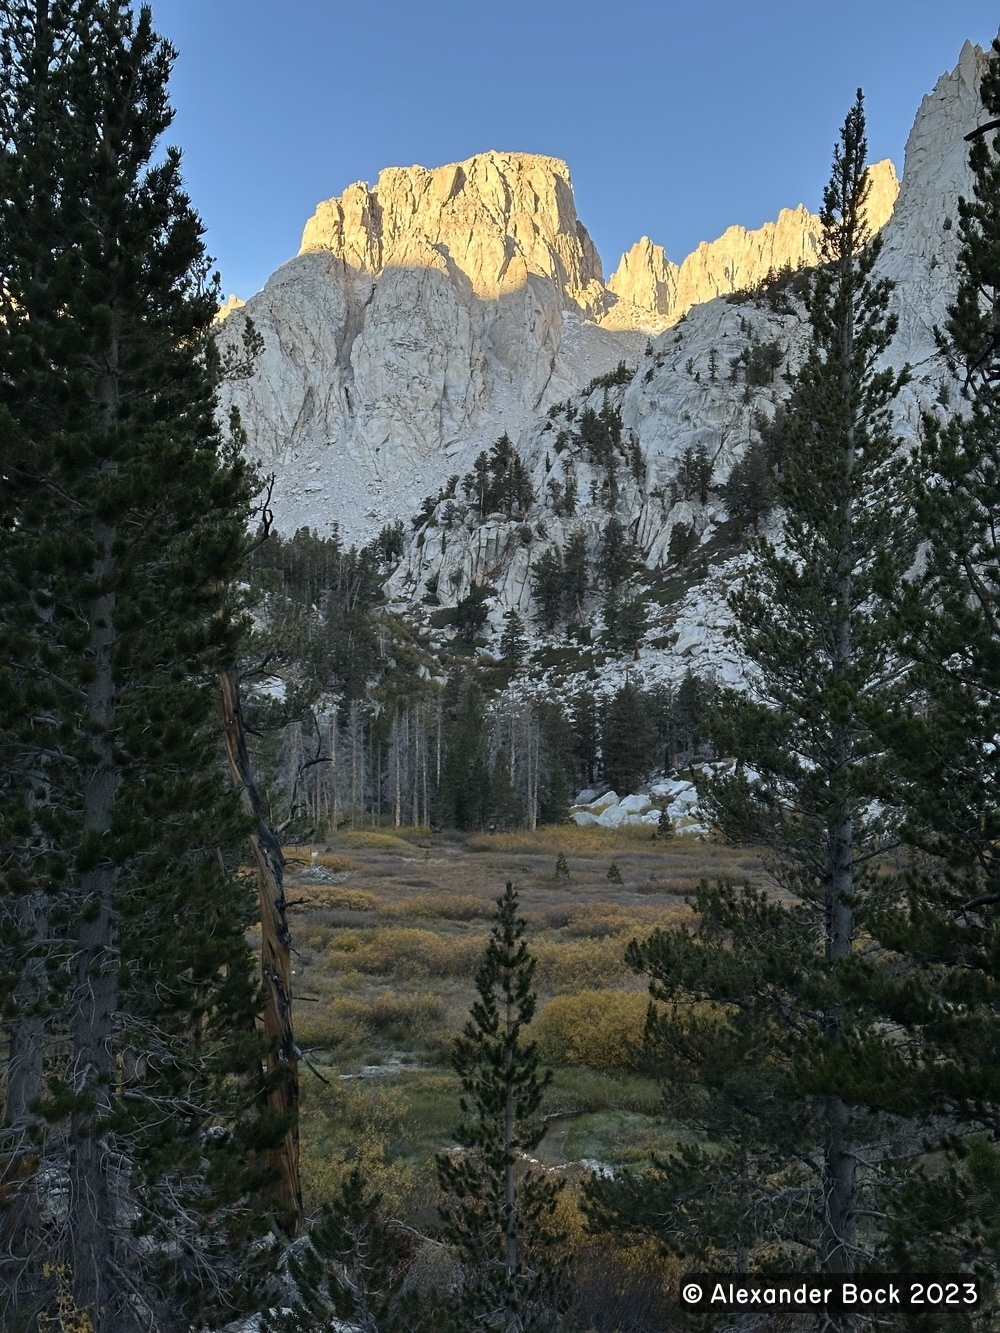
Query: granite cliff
<point>689,392</point>
<point>429,313</point>
<point>651,292</point>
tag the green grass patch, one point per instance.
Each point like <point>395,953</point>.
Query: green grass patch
<point>590,1090</point>
<point>618,1136</point>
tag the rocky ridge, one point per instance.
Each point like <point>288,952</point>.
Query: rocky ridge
<point>653,293</point>
<point>420,319</point>
<point>675,403</point>
<point>430,313</point>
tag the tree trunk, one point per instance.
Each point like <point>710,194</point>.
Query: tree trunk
<point>415,774</point>
<point>92,1214</point>
<point>285,1191</point>
<point>423,773</point>
<point>334,778</point>
<point>838,1237</point>
<point>19,1213</point>
<point>511,1319</point>
<point>397,814</point>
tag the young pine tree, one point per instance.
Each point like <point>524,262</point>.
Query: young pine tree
<point>500,1218</point>
<point>131,1068</point>
<point>353,1266</point>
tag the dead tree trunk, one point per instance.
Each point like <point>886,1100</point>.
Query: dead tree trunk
<point>282,1095</point>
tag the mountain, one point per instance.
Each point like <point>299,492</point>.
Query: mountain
<point>651,292</point>
<point>675,404</point>
<point>430,313</point>
<point>427,314</point>
<point>420,319</point>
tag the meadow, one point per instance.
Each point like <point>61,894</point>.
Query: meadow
<point>388,929</point>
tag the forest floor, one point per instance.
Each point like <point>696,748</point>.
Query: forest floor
<point>388,929</point>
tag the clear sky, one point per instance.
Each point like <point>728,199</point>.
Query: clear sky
<point>677,119</point>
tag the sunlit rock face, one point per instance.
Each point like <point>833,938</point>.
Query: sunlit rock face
<point>651,292</point>
<point>431,312</point>
<point>494,220</point>
<point>422,318</point>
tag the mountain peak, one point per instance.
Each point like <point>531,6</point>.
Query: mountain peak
<point>653,293</point>
<point>494,219</point>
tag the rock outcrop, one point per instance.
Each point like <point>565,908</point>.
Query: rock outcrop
<point>651,292</point>
<point>690,392</point>
<point>232,303</point>
<point>421,319</point>
<point>495,220</point>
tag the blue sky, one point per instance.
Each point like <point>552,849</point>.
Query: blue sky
<point>677,119</point>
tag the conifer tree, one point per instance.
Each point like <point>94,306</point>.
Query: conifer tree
<point>353,1266</point>
<point>501,1221</point>
<point>464,791</point>
<point>616,554</point>
<point>585,719</point>
<point>950,765</point>
<point>826,664</point>
<point>547,587</point>
<point>132,1069</point>
<point>513,641</point>
<point>822,670</point>
<point>575,573</point>
<point>629,743</point>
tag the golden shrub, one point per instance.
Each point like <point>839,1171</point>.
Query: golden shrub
<point>601,1029</point>
<point>330,897</point>
<point>352,1019</point>
<point>443,906</point>
<point>353,1121</point>
<point>587,962</point>
<point>409,952</point>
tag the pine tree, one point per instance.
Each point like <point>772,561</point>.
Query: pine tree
<point>463,794</point>
<point>632,622</point>
<point>629,743</point>
<point>547,587</point>
<point>826,664</point>
<point>945,746</point>
<point>513,641</point>
<point>132,1069</point>
<point>501,1221</point>
<point>353,1266</point>
<point>823,671</point>
<point>616,554</point>
<point>576,574</point>
<point>585,719</point>
<point>690,712</point>
<point>749,490</point>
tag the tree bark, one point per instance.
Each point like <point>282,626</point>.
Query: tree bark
<point>92,1214</point>
<point>19,1214</point>
<point>282,1096</point>
<point>511,1319</point>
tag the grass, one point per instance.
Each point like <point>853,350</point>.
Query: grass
<point>617,1137</point>
<point>385,967</point>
